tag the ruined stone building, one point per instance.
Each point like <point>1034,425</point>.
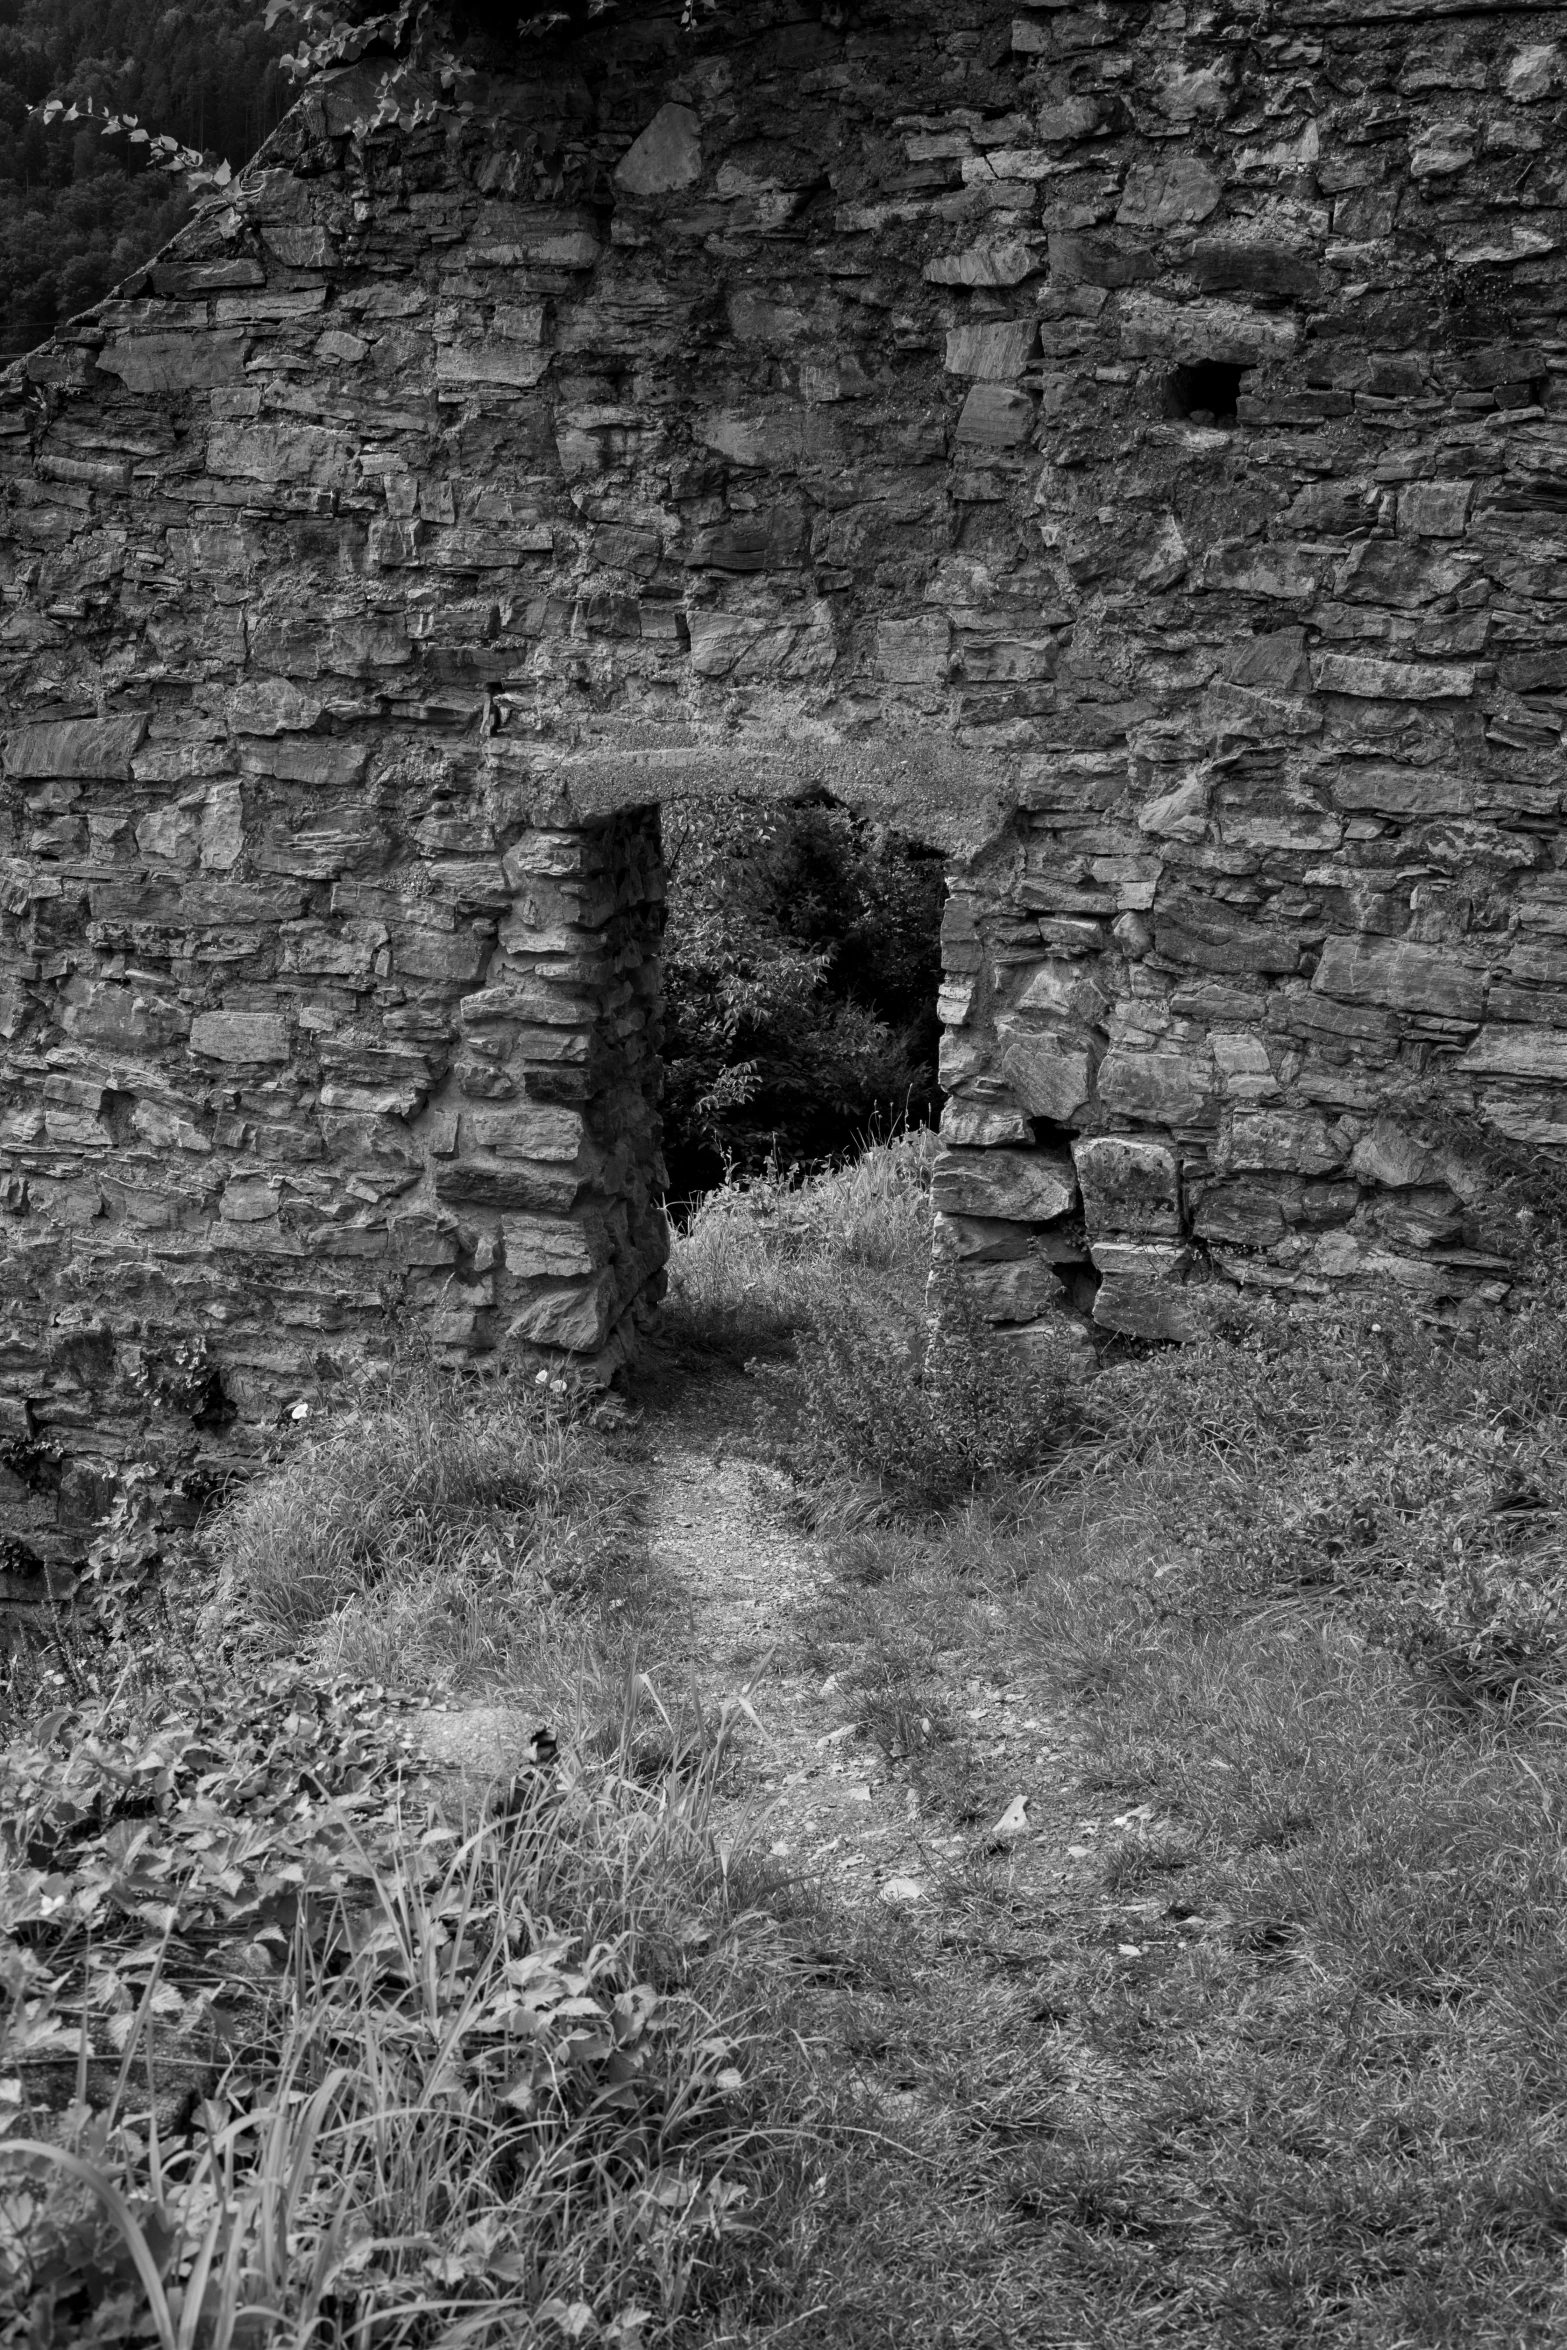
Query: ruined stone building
<point>1124,446</point>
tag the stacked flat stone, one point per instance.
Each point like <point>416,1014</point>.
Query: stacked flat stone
<point>787,407</point>
<point>544,1141</point>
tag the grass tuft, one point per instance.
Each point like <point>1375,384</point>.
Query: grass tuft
<point>432,1537</point>
<point>760,1253</point>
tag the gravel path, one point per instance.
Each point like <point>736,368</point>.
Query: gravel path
<point>810,1791</point>
<point>808,1788</point>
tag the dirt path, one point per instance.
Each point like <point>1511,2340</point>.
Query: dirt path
<point>807,1789</point>
<point>810,1789</point>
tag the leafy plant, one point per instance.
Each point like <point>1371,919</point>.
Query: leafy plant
<point>112,114</point>
<point>1485,1633</point>
<point>924,1402</point>
<point>486,2075</point>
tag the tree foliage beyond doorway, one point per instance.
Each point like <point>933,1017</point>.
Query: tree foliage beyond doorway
<point>802,959</point>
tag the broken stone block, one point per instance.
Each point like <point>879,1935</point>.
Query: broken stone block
<point>1290,1142</point>
<point>1004,262</point>
<point>495,362</point>
<point>551,1247</point>
<point>979,1125</point>
<point>1207,935</point>
<point>1401,973</point>
<point>1140,1294</point>
<point>174,362</point>
<point>1245,1071</point>
<point>1026,1187</point>
<point>1141,1260</point>
<point>1502,1051</point>
<point>1376,787</point>
<point>1391,1155</point>
<point>1434,509</point>
<point>1391,681</point>
<point>914,652</point>
<point>1181,814</point>
<point>1252,1215</point>
<point>1198,332</point>
<point>666,156</point>
<point>1018,1291</point>
<point>981,1239</point>
<point>576,1317</point>
<point>1160,1088</point>
<point>1136,1308</point>
<point>88,747</point>
<point>223,827</point>
<point>997,351</point>
<point>528,1133</point>
<point>1128,1186</point>
<point>248,1200</point>
<point>1050,1077</point>
<point>995,417</point>
<point>1168,191</point>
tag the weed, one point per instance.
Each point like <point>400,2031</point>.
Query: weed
<point>482,2077</point>
<point>921,1402</point>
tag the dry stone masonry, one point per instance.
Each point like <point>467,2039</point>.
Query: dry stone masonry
<point>1122,445</point>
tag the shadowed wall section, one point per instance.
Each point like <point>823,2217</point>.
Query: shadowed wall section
<point>1124,447</point>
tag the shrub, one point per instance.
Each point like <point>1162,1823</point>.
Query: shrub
<point>927,1403</point>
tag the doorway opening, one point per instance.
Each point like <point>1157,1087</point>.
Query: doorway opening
<point>801,963</point>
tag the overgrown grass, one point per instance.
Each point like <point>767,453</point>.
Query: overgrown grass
<point>1298,2064</point>
<point>757,1256</point>
<point>1271,2052</point>
<point>500,2079</point>
<point>434,1535</point>
<point>1368,1462</point>
<point>896,1386</point>
<point>1283,2057</point>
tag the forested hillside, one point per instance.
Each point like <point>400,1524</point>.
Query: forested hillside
<point>77,209</point>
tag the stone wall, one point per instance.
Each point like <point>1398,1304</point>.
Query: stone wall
<point>1126,446</point>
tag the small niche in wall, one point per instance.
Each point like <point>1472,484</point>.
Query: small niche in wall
<point>1205,391</point>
